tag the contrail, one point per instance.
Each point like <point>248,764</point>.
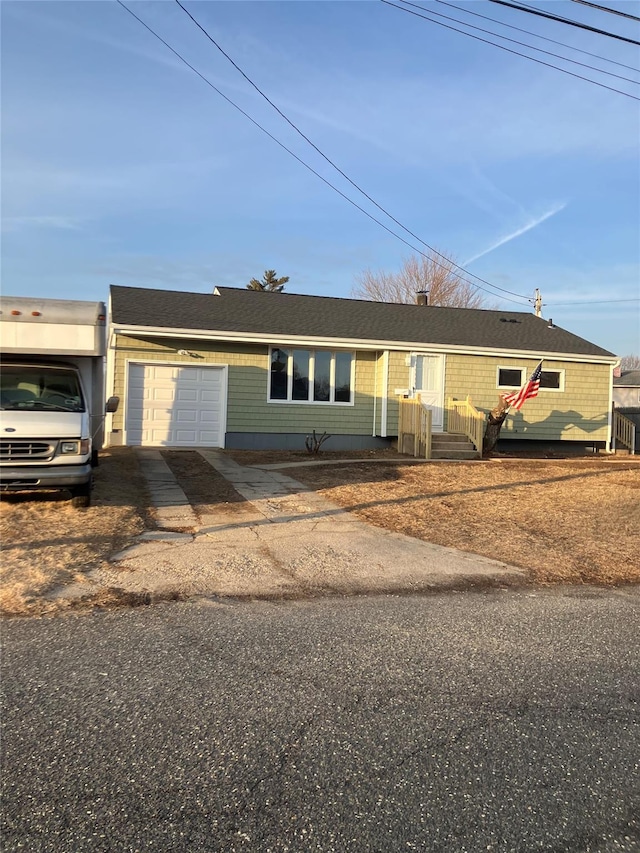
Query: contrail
<point>533,224</point>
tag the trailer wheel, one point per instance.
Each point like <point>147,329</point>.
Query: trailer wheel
<point>81,496</point>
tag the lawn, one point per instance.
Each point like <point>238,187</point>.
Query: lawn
<point>46,543</point>
<point>565,521</point>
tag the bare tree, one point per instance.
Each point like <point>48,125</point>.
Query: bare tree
<point>630,362</point>
<point>436,275</point>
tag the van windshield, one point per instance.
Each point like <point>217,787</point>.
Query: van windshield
<point>32,387</point>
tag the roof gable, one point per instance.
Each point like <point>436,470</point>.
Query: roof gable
<point>241,311</point>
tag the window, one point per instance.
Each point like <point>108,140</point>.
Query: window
<point>509,377</point>
<point>311,376</point>
<point>427,373</point>
<point>552,379</point>
<point>36,387</point>
<point>301,359</point>
<point>515,377</point>
<point>279,366</point>
<point>342,384</point>
<point>322,377</point>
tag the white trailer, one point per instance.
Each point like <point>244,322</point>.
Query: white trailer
<point>52,407</point>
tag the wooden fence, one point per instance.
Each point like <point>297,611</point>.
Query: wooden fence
<point>624,431</point>
<point>465,419</point>
<point>414,429</point>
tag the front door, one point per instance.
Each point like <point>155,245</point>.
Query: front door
<point>428,386</point>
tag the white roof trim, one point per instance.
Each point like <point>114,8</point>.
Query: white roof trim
<point>353,343</point>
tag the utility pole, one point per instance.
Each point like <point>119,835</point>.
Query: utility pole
<point>537,303</point>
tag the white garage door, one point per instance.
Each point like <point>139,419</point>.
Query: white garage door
<point>173,406</point>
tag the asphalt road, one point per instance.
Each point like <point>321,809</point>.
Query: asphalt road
<point>493,721</point>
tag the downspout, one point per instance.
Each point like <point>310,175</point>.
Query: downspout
<point>375,394</point>
<point>111,376</point>
<point>385,394</point>
<point>610,417</point>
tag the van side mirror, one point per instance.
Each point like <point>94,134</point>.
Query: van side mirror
<point>112,405</point>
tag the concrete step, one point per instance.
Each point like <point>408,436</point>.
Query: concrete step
<point>447,445</point>
<point>452,447</point>
<point>454,454</point>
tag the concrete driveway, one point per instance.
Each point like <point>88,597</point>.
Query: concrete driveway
<point>288,542</point>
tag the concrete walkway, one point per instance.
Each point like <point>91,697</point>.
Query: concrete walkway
<point>283,541</point>
<point>172,509</point>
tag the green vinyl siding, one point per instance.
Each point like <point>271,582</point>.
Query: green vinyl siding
<point>579,412</point>
<point>248,409</point>
<point>399,375</point>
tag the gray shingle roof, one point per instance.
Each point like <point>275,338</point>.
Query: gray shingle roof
<point>254,312</point>
<point>628,377</point>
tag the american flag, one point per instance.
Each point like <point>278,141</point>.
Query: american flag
<point>528,390</point>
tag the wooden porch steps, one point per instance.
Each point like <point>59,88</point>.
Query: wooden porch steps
<point>451,446</point>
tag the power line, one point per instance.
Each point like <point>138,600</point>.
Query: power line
<point>521,43</point>
<point>306,165</point>
<point>587,302</point>
<point>537,35</point>
<point>531,10</point>
<point>334,165</point>
<point>509,50</point>
<point>607,9</point>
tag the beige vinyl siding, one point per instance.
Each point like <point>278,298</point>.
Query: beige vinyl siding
<point>580,412</point>
<point>248,409</point>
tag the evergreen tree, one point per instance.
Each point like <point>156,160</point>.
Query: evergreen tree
<point>270,282</point>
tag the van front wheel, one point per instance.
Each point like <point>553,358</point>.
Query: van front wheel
<point>81,496</point>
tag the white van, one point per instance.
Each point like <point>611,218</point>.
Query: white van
<point>52,407</point>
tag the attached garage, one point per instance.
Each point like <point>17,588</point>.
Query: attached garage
<point>170,405</point>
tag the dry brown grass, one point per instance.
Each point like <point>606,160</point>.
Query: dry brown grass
<point>567,521</point>
<point>207,491</point>
<point>564,521</point>
<point>46,543</point>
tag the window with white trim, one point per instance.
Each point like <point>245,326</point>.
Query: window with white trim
<point>552,380</point>
<point>515,377</point>
<point>510,377</point>
<point>311,376</point>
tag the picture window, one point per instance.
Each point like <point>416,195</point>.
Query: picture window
<point>311,376</point>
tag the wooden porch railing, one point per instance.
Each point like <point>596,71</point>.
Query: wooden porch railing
<point>465,419</point>
<point>624,431</point>
<point>414,428</point>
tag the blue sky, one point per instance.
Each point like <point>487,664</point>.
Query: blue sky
<point>120,166</point>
